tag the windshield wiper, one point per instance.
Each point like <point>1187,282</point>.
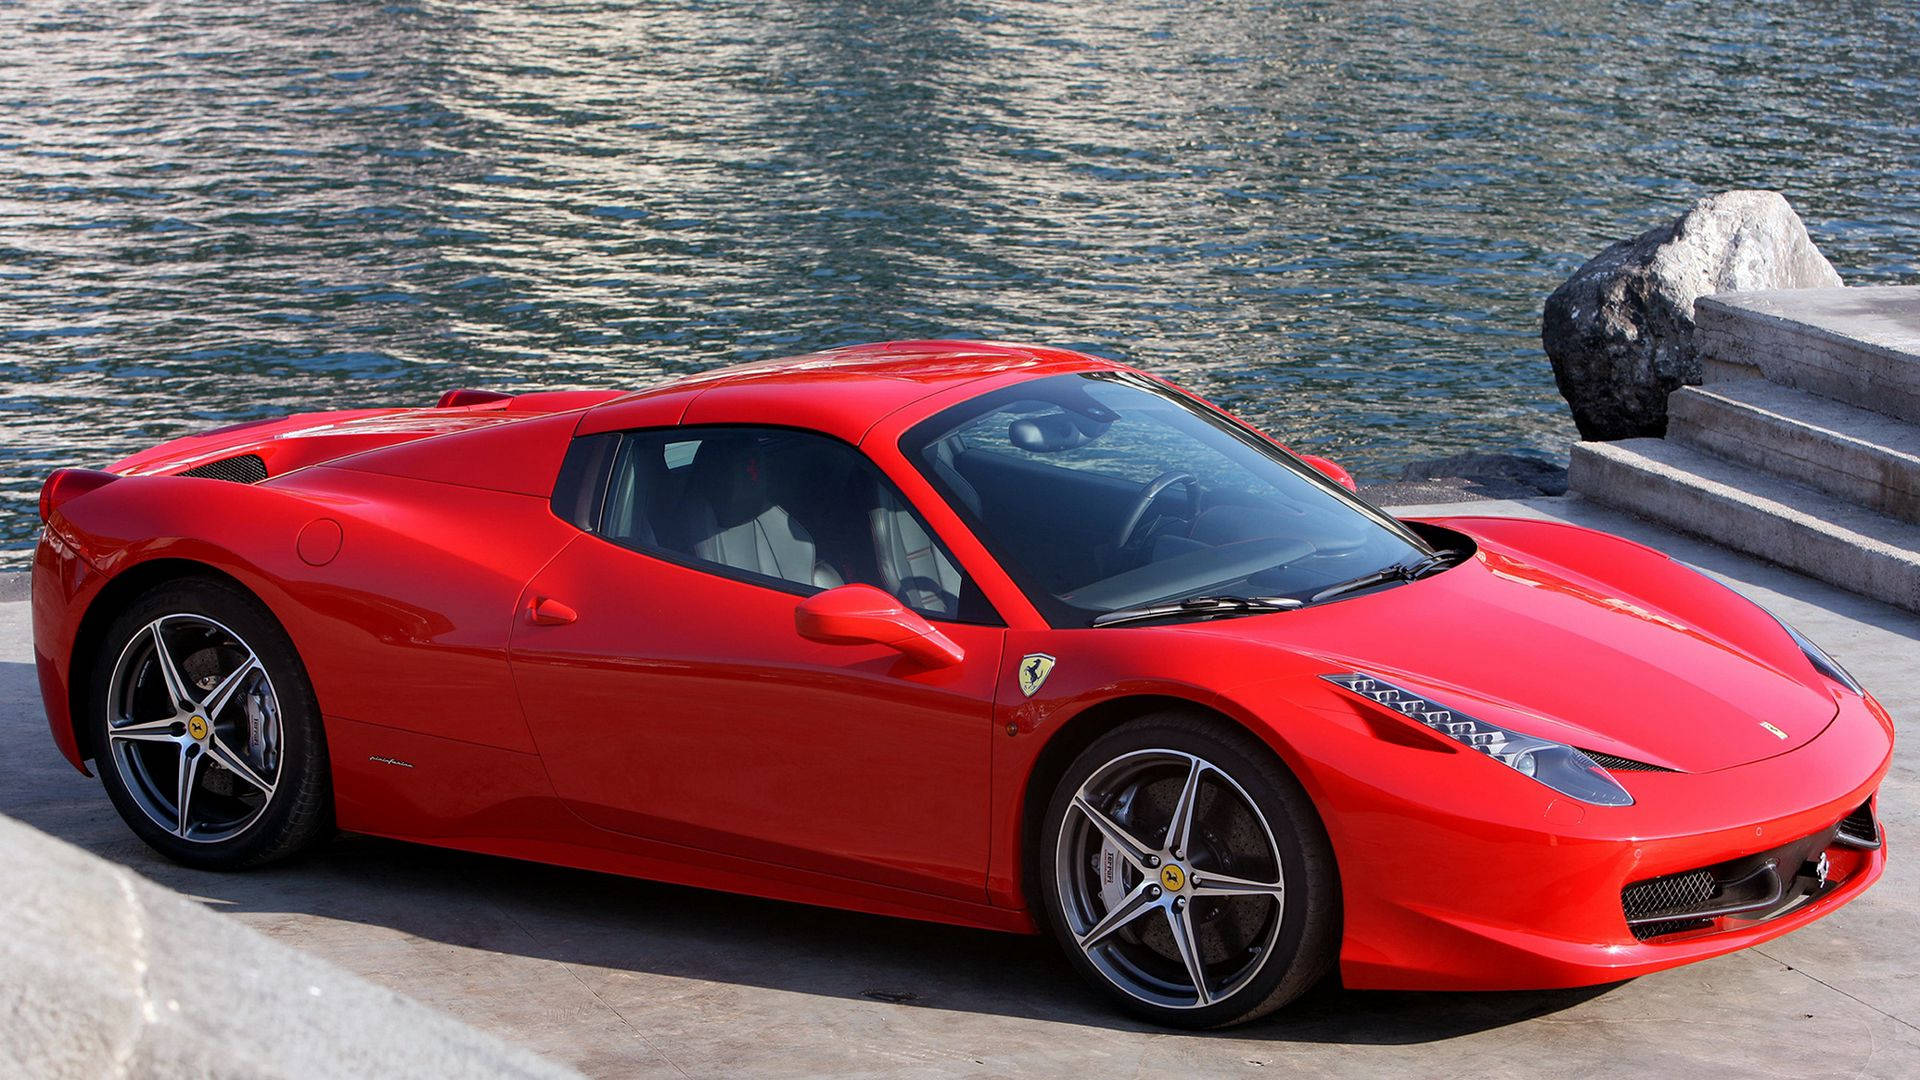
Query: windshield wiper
<point>1411,570</point>
<point>1199,606</point>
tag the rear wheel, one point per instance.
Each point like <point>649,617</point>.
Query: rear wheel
<point>208,738</point>
<point>1186,873</point>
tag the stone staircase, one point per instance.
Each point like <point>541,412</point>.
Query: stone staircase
<point>1803,446</point>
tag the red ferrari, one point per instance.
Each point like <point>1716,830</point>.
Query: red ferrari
<point>1001,636</point>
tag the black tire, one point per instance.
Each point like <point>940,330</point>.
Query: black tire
<point>1299,945</point>
<point>264,828</point>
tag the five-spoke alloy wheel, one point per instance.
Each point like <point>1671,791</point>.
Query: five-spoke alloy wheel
<point>206,733</point>
<point>1189,876</point>
<point>198,741</point>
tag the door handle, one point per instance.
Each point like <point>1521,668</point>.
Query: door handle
<point>547,611</point>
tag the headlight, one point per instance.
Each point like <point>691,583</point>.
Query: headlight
<point>1557,765</point>
<point>1824,664</point>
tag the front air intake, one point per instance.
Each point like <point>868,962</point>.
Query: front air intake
<point>1673,895</point>
<point>242,469</point>
<point>1750,889</point>
<point>1860,829</point>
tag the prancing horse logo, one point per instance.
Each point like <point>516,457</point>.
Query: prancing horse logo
<point>1034,669</point>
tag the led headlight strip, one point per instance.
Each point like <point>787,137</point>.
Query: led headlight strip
<point>1557,765</point>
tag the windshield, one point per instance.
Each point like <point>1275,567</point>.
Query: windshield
<point>1104,491</point>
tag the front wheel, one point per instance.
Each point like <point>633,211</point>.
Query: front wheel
<point>1186,874</point>
<point>208,736</point>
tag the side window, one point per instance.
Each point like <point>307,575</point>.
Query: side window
<point>797,508</point>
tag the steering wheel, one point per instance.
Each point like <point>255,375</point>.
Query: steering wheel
<point>1151,491</point>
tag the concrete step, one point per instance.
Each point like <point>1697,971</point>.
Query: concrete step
<point>1756,512</point>
<point>1857,345</point>
<point>1858,455</point>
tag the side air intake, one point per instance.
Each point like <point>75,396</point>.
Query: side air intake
<point>243,469</point>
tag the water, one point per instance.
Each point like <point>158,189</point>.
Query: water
<point>1337,218</point>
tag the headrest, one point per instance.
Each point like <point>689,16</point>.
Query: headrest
<point>728,472</point>
<point>1053,432</point>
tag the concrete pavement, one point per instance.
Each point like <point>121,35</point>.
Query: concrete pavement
<point>103,974</point>
<point>629,978</point>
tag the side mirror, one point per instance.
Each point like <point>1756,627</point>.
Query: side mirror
<point>1332,472</point>
<point>863,615</point>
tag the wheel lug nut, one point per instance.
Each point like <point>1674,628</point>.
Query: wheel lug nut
<point>1153,892</point>
<point>1179,903</point>
<point>1153,860</point>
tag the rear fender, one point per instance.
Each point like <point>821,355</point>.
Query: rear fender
<point>115,542</point>
<point>395,591</point>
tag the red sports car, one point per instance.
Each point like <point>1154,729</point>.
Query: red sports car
<point>1001,636</point>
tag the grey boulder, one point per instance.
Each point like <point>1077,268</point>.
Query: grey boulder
<point>1620,330</point>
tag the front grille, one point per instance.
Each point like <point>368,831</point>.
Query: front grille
<point>1677,893</point>
<point>1613,763</point>
<point>1749,889</point>
<point>243,469</point>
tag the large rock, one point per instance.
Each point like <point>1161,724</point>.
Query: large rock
<point>1620,330</point>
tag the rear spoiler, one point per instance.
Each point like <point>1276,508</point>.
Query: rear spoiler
<point>455,399</point>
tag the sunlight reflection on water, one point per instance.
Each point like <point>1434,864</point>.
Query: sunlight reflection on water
<point>1339,219</point>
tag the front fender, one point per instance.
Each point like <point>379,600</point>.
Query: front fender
<point>1102,677</point>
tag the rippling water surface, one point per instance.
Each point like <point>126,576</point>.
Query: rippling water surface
<point>1337,218</point>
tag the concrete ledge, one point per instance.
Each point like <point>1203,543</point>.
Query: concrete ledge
<point>1751,511</point>
<point>1845,451</point>
<point>1857,345</point>
<point>103,974</point>
<point>14,585</point>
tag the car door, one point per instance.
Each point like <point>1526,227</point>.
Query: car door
<point>671,697</point>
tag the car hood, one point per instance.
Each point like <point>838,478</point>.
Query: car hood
<point>1675,671</point>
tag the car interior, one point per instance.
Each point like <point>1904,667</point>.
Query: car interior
<point>781,504</point>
